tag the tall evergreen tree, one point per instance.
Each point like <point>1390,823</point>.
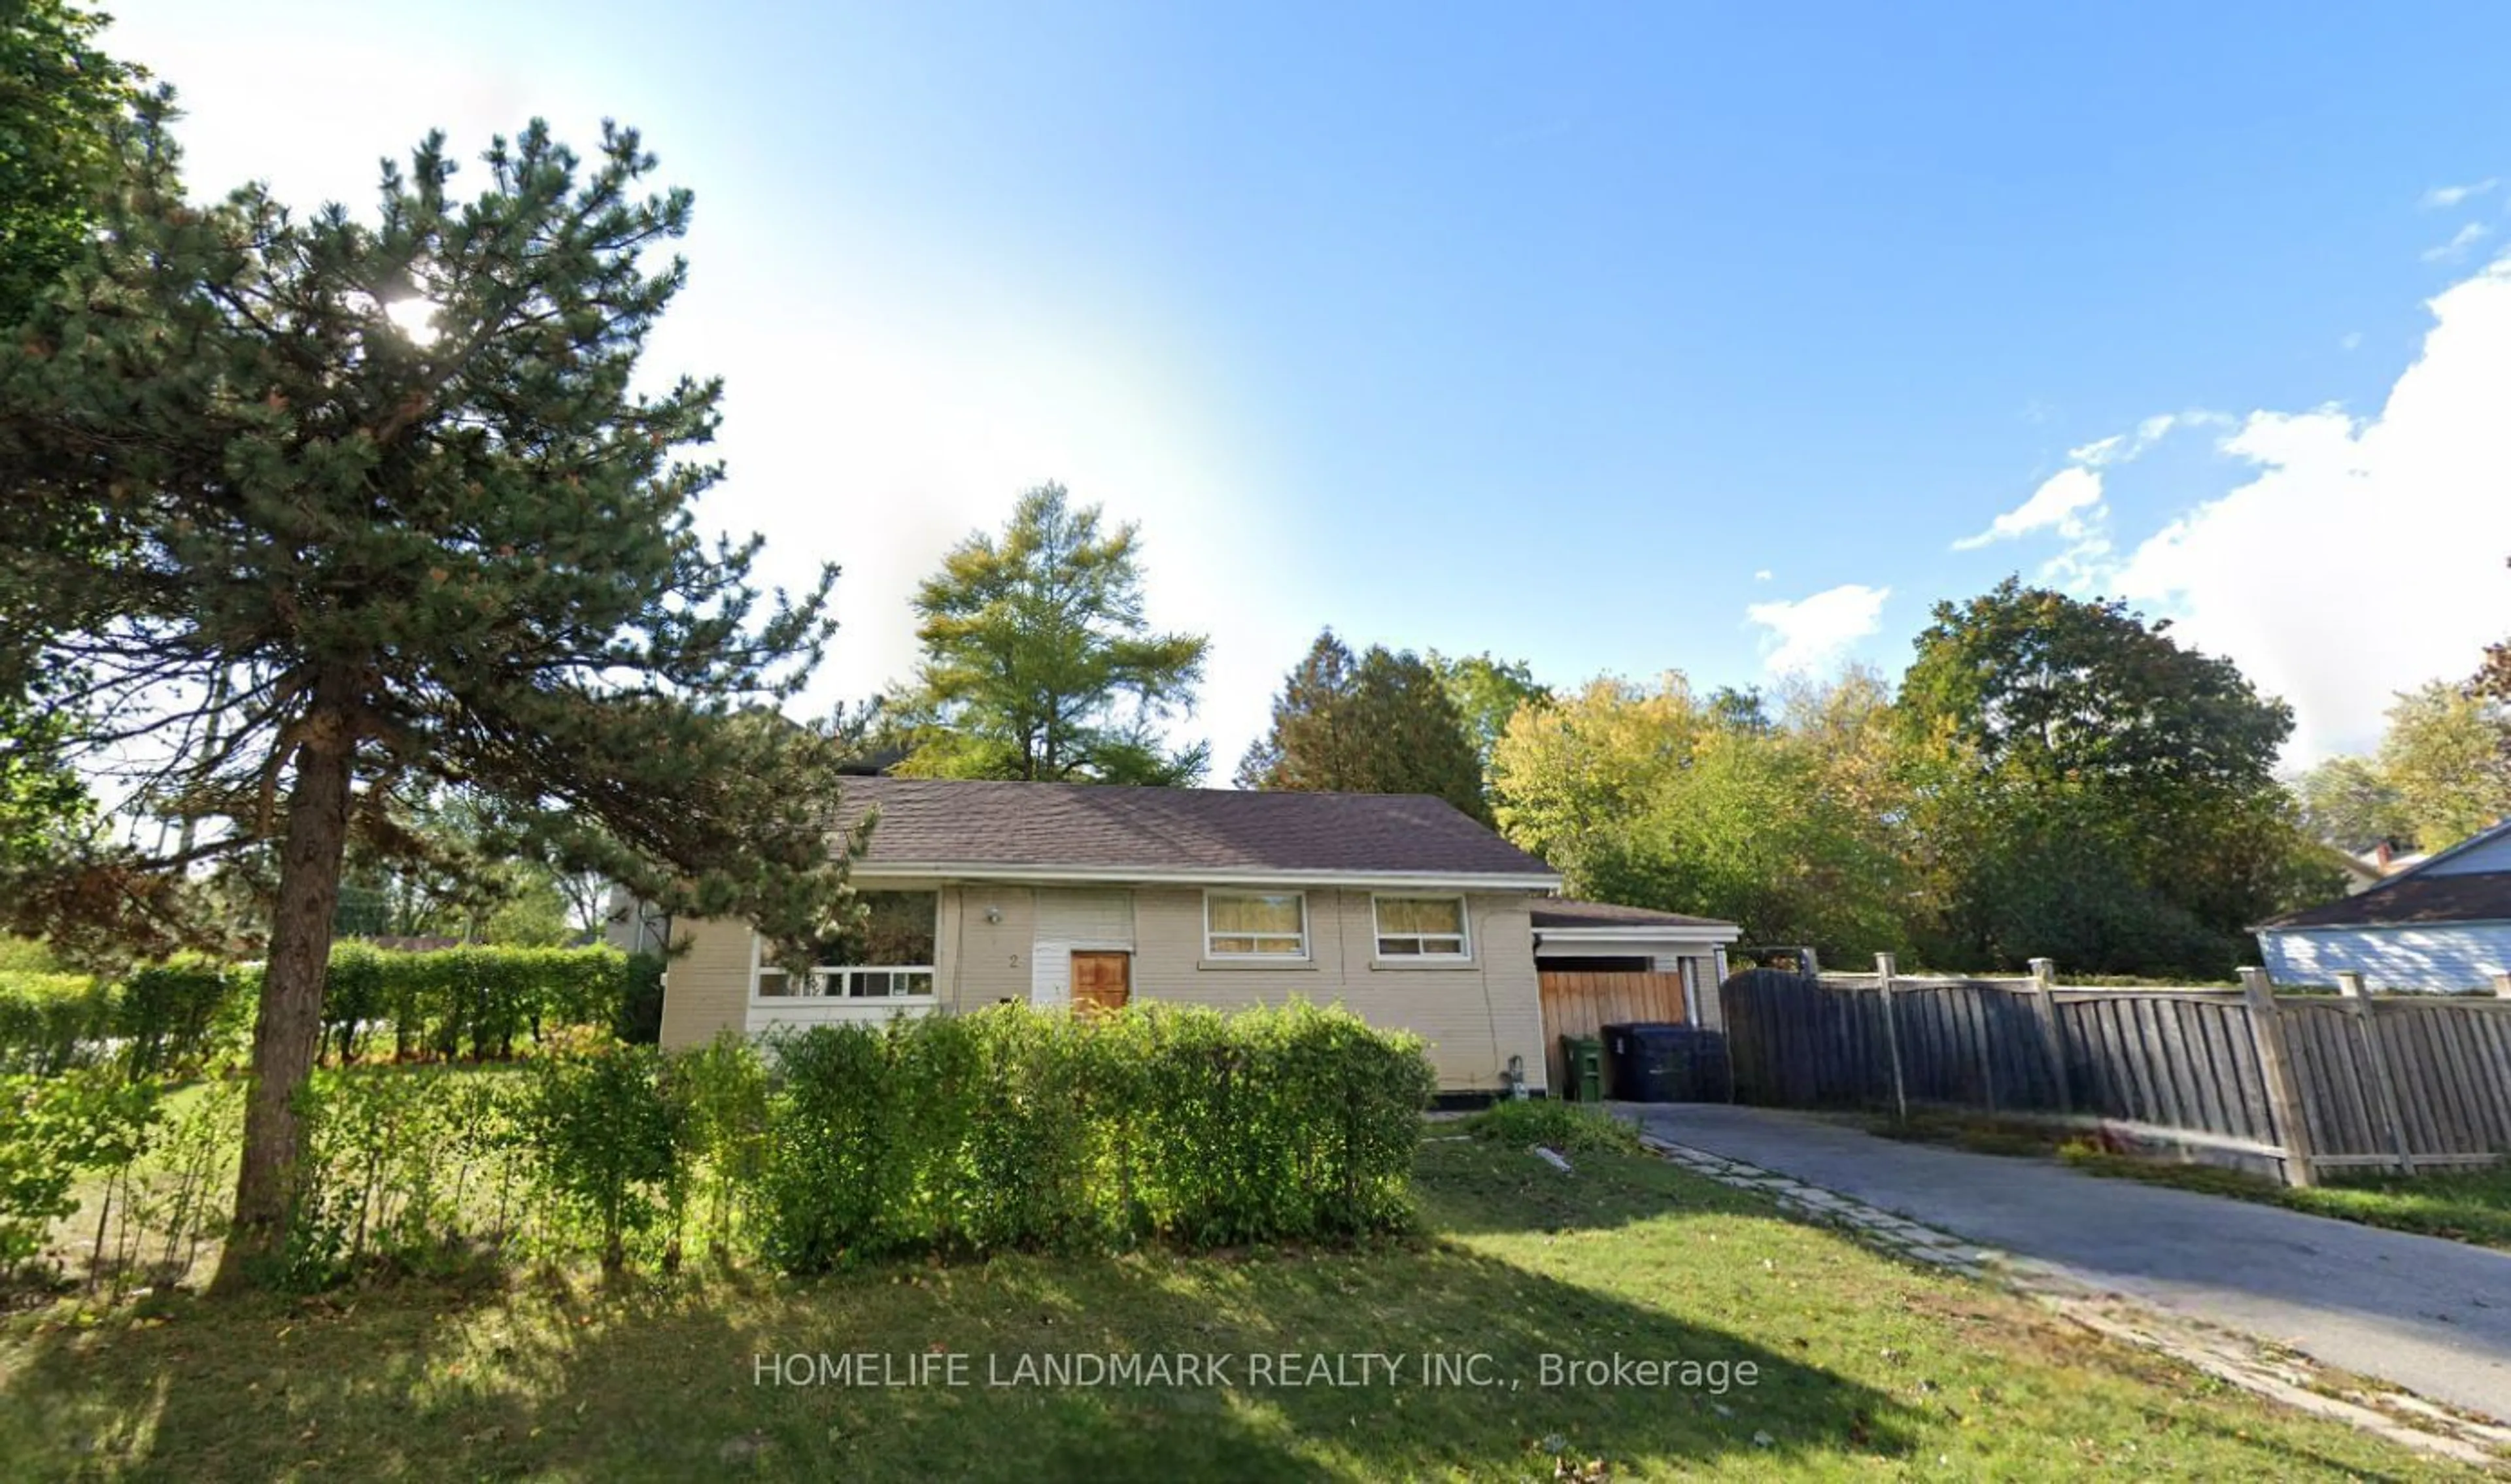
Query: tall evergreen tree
<point>1038,662</point>
<point>1384,723</point>
<point>1315,744</point>
<point>60,100</point>
<point>378,508</point>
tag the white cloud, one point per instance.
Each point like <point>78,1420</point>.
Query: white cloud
<point>2069,503</point>
<point>2120,447</point>
<point>1810,631</point>
<point>2366,555</point>
<point>2443,197</point>
<point>2457,247</point>
<point>1762,575</point>
<point>2351,340</point>
<point>2057,504</point>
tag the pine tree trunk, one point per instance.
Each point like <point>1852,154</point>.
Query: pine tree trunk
<point>288,1034</point>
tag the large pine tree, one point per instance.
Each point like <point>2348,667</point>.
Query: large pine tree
<point>371,507</point>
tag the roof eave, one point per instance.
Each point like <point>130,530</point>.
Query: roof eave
<point>1117,875</point>
<point>1689,932</point>
<point>2437,922</point>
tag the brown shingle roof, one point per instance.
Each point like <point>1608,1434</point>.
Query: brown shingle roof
<point>967,823</point>
<point>1564,912</point>
<point>2401,901</point>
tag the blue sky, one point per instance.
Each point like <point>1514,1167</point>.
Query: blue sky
<point>1618,339</point>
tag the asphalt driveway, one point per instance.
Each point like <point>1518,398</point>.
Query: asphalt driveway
<point>2432,1316</point>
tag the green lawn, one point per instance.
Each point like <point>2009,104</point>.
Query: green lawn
<point>2470,1205</point>
<point>1867,1367</point>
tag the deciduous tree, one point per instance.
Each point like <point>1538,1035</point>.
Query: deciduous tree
<point>2348,802</point>
<point>1655,796</point>
<point>2446,757</point>
<point>1038,662</point>
<point>2096,792</point>
<point>1487,692</point>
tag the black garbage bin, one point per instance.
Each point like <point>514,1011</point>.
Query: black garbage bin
<point>1689,1062</point>
<point>1663,1062</point>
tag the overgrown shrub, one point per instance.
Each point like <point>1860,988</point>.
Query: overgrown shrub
<point>721,1091</point>
<point>1564,1126</point>
<point>174,1016</point>
<point>474,1001</point>
<point>53,1130</point>
<point>608,1144</point>
<point>410,1167</point>
<point>1008,1129</point>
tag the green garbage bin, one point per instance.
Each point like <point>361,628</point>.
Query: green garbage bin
<point>1584,1058</point>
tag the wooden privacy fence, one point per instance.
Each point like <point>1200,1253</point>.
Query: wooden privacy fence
<point>2310,1081</point>
<point>1579,1003</point>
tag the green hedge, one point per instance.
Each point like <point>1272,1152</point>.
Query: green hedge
<point>161,1018</point>
<point>460,1002</point>
<point>1015,1127</point>
<point>474,1002</point>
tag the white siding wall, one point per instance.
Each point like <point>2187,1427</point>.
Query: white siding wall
<point>2440,959</point>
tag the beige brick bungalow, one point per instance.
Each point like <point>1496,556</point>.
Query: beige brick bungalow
<point>1401,908</point>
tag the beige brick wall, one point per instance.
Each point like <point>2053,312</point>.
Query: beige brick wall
<point>993,958</point>
<point>1474,1015</point>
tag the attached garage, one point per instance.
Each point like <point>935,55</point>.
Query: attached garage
<point>1600,965</point>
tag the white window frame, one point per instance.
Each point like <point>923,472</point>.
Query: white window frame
<point>1262,956</point>
<point>1377,933</point>
<point>818,980</point>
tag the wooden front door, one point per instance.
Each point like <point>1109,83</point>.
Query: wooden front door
<point>1101,981</point>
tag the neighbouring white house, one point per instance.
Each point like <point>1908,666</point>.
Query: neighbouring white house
<point>2442,926</point>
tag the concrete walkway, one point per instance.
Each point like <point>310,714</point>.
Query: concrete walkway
<point>2428,1315</point>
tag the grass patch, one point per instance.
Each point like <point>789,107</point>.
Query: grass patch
<point>1979,1133</point>
<point>1866,1365</point>
<point>2471,1205</point>
<point>1523,1122</point>
<point>2463,1206</point>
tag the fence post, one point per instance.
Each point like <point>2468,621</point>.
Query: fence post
<point>2384,1092</point>
<point>1884,968</point>
<point>2052,1034</point>
<point>2284,1095</point>
<point>2502,986</point>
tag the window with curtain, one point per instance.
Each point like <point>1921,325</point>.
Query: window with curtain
<point>1420,927</point>
<point>1254,924</point>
